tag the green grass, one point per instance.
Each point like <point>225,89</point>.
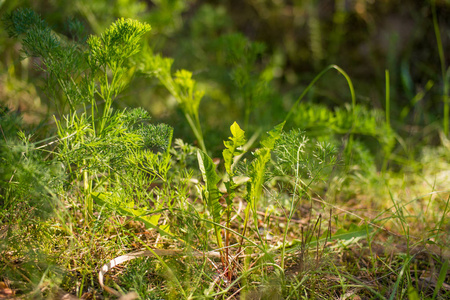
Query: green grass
<point>298,210</point>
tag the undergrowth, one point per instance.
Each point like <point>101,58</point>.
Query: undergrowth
<point>302,211</point>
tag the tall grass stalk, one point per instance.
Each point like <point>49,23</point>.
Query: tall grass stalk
<point>308,88</point>
<point>403,272</point>
<point>170,273</point>
<point>349,145</point>
<point>194,123</point>
<point>388,100</point>
<point>399,213</point>
<point>387,117</point>
<point>441,279</point>
<point>445,79</point>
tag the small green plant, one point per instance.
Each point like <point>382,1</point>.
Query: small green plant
<point>96,141</point>
<point>295,157</point>
<point>182,87</point>
<point>234,148</point>
<point>251,87</point>
<point>211,194</point>
<point>27,180</point>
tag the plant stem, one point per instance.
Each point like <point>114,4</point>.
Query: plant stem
<point>196,128</point>
<point>387,149</point>
<point>445,82</point>
<point>388,100</point>
<point>291,209</point>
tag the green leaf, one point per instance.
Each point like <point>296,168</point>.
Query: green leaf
<point>412,293</point>
<point>274,135</point>
<point>211,193</point>
<point>400,277</point>
<point>154,219</point>
<point>350,235</point>
<point>258,171</point>
<point>259,164</point>
<point>232,147</point>
<point>189,97</point>
<point>353,232</point>
<point>441,278</point>
<point>181,86</point>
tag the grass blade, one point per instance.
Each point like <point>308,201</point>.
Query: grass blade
<point>441,278</point>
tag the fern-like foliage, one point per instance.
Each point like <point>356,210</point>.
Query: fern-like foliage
<point>100,145</point>
<point>319,119</point>
<point>76,70</point>
<point>259,164</point>
<point>154,137</point>
<point>27,181</point>
<point>63,61</point>
<point>111,53</point>
<point>119,42</point>
<point>211,193</point>
<point>22,21</point>
<point>38,39</point>
<point>302,159</point>
<point>258,170</point>
<point>127,133</point>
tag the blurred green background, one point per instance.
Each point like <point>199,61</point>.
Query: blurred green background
<point>253,58</point>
